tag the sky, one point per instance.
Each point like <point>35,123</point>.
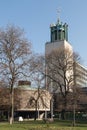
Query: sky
<point>35,17</point>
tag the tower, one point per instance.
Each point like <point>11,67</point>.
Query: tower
<point>58,41</point>
<point>58,37</point>
<point>63,73</point>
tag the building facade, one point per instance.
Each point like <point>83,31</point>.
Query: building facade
<point>33,101</point>
<point>29,103</point>
<point>68,79</point>
<point>59,41</point>
<point>81,78</point>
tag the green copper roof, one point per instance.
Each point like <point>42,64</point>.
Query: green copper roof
<point>59,31</point>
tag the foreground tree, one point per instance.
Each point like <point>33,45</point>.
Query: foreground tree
<point>15,55</point>
<point>38,77</point>
<point>60,73</point>
<point>58,67</point>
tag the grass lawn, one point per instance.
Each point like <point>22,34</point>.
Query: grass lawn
<point>40,125</point>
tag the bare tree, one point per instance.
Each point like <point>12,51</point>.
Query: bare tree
<point>60,73</point>
<point>15,54</point>
<point>38,77</point>
<point>58,69</point>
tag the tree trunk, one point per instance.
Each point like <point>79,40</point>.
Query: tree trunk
<point>52,107</point>
<point>63,112</point>
<point>35,110</point>
<point>12,107</point>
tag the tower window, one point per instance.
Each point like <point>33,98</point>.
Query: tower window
<point>59,35</point>
<point>55,34</point>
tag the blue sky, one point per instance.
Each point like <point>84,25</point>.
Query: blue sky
<point>35,17</point>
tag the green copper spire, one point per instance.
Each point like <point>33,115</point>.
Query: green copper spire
<point>59,31</point>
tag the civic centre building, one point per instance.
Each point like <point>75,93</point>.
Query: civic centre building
<point>59,40</point>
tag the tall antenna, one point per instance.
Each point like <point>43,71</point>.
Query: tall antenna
<point>58,12</point>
